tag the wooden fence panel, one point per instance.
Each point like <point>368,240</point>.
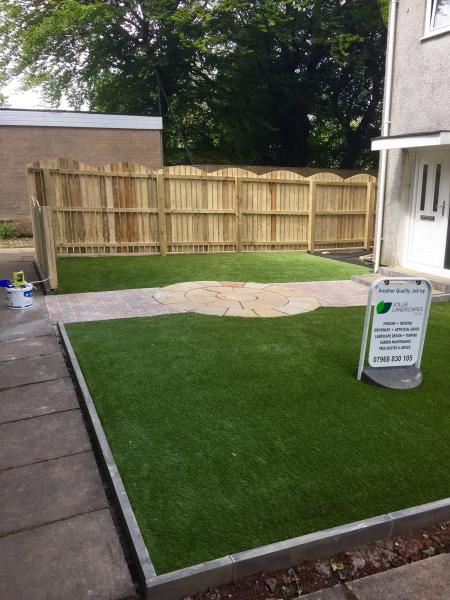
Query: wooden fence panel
<point>275,212</point>
<point>43,228</point>
<point>107,210</point>
<point>129,209</point>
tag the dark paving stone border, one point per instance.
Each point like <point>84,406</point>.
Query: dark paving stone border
<point>348,256</point>
<point>231,568</point>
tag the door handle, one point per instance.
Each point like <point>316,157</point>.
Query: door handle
<point>443,205</point>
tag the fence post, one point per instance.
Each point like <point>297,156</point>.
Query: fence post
<point>48,188</point>
<point>273,208</point>
<point>37,228</point>
<point>312,214</point>
<point>49,240</point>
<point>237,194</point>
<point>369,209</point>
<point>111,217</point>
<point>161,213</point>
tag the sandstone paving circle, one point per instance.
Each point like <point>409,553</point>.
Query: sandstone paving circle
<point>236,299</point>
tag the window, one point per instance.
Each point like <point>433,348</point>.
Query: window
<point>438,16</point>
<point>423,194</point>
<point>429,191</point>
<point>437,187</point>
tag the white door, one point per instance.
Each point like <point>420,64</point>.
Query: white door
<point>430,210</point>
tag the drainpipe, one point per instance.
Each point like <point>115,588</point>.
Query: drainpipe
<point>386,127</point>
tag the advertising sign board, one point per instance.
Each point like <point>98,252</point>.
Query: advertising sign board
<point>398,321</point>
<point>400,314</point>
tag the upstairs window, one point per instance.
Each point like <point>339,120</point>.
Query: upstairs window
<point>438,17</point>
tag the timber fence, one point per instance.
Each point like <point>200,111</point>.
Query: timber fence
<point>79,209</point>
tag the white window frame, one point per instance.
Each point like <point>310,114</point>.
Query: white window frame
<point>431,12</point>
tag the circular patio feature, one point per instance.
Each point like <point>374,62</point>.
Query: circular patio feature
<point>236,299</point>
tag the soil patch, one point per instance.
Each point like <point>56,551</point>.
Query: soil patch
<point>17,242</point>
<point>311,576</point>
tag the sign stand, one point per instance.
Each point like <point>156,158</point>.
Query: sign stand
<point>399,323</point>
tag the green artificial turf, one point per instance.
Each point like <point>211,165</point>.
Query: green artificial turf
<point>86,274</point>
<point>232,433</point>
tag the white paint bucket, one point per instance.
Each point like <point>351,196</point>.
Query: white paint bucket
<point>19,297</point>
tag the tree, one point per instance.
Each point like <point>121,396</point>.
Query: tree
<point>303,81</point>
<point>291,83</point>
<point>113,55</point>
<point>352,78</point>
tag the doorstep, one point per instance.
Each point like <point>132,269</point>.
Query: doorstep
<point>441,286</point>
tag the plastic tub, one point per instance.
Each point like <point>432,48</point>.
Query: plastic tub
<point>19,297</point>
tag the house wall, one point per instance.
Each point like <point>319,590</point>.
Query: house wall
<point>420,103</point>
<point>20,145</point>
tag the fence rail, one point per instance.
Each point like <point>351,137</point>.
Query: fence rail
<point>129,209</point>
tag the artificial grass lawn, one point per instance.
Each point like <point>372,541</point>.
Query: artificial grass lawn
<point>232,433</point>
<point>86,274</point>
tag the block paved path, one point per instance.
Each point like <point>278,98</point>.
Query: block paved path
<point>146,302</point>
<point>57,537</point>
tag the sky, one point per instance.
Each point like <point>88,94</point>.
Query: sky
<point>29,99</point>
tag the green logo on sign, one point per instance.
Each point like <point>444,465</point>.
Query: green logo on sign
<point>383,307</point>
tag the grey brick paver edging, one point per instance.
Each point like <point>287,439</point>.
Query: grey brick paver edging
<point>231,568</point>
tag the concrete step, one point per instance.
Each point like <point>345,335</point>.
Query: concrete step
<point>427,579</point>
<point>365,279</point>
<point>441,284</point>
<point>438,294</point>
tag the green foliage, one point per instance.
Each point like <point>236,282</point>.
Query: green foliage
<point>258,82</point>
<point>5,230</point>
<point>385,10</point>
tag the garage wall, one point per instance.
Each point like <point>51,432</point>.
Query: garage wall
<point>20,145</point>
